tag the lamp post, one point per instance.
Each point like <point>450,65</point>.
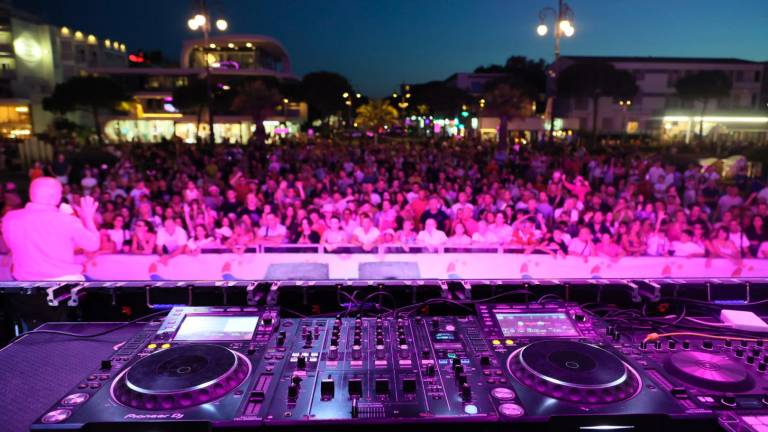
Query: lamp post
<point>202,22</point>
<point>563,26</point>
<point>625,105</point>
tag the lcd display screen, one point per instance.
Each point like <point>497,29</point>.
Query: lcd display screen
<point>216,328</point>
<point>535,324</point>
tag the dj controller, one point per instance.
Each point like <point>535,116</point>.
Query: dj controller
<point>545,365</point>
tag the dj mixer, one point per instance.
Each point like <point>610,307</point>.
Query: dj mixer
<point>544,365</point>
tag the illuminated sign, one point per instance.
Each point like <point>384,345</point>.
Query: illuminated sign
<point>27,49</point>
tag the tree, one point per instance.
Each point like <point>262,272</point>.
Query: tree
<point>86,93</point>
<point>323,92</point>
<point>441,98</point>
<point>257,100</point>
<point>192,98</point>
<point>507,98</point>
<point>593,80</point>
<point>703,86</point>
<point>376,115</point>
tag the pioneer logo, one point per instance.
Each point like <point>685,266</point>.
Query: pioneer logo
<point>173,416</point>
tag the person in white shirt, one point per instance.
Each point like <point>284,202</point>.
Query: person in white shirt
<point>272,231</point>
<point>484,236</point>
<point>119,234</point>
<point>737,236</point>
<point>366,235</point>
<point>685,247</point>
<point>431,236</point>
<point>171,239</point>
<point>459,237</point>
<point>582,245</point>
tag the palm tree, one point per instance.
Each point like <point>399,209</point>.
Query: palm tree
<point>507,100</point>
<point>376,115</point>
<point>595,80</point>
<point>192,98</point>
<point>703,86</point>
<point>257,100</point>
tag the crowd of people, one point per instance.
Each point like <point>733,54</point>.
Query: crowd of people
<point>425,196</point>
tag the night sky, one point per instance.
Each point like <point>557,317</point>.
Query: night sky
<point>378,44</point>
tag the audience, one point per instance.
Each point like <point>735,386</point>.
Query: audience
<point>169,201</point>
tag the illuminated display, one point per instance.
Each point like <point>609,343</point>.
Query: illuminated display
<point>535,324</point>
<point>216,328</point>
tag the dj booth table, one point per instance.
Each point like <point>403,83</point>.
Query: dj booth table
<point>27,365</point>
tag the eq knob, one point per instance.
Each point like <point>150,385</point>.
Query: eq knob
<point>744,343</point>
<point>333,352</point>
<point>461,379</point>
<point>301,362</point>
<point>430,370</point>
<point>739,351</point>
<point>643,345</point>
<point>728,343</point>
<point>762,366</point>
<point>403,352</point>
<point>756,352</point>
<point>750,359</point>
<point>466,392</point>
<point>380,353</point>
<point>308,340</point>
<point>458,369</point>
<point>280,339</point>
<point>293,392</point>
<point>706,344</point>
<point>686,344</point>
<point>485,361</point>
<point>759,342</point>
<point>657,345</point>
<point>356,353</point>
<point>672,344</point>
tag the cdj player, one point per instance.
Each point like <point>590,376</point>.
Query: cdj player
<point>517,366</point>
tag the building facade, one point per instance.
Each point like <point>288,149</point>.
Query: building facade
<point>657,110</point>
<point>34,57</point>
<point>231,61</point>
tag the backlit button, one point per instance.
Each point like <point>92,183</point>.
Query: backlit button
<point>56,416</point>
<point>152,346</point>
<point>496,342</point>
<point>509,342</point>
<point>503,393</point>
<point>165,346</point>
<point>75,399</point>
<point>511,410</point>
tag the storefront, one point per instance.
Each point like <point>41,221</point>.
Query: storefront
<point>230,130</point>
<point>15,119</point>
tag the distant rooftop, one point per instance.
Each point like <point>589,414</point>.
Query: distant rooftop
<point>651,59</point>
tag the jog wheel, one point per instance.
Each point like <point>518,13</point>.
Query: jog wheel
<point>181,377</point>
<point>709,371</point>
<point>574,372</point>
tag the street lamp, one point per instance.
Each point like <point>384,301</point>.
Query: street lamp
<point>563,26</point>
<point>202,22</point>
<point>625,105</point>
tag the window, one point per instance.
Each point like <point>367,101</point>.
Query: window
<point>757,76</point>
<point>739,76</point>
